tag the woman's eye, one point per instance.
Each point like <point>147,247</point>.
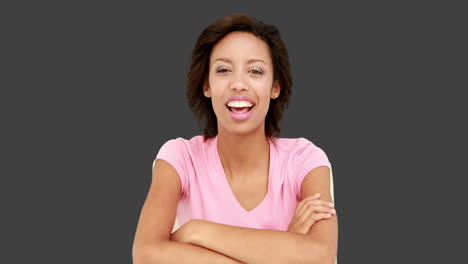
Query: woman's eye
<point>252,71</point>
<point>256,71</point>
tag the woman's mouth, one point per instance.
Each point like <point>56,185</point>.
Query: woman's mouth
<point>240,112</point>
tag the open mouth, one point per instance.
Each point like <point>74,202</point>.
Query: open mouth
<point>240,110</point>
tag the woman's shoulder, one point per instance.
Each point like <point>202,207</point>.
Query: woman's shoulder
<point>192,144</point>
<point>294,144</point>
<point>302,152</point>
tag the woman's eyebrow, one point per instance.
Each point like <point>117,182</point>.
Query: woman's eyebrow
<point>229,61</point>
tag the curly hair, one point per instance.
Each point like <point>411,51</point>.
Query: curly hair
<point>199,69</point>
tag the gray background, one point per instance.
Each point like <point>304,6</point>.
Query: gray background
<point>90,92</point>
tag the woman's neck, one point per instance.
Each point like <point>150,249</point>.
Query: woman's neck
<point>243,155</point>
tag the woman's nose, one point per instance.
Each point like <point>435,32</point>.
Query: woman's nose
<point>239,82</point>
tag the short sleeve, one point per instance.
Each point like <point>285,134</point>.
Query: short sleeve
<point>175,153</point>
<point>307,158</point>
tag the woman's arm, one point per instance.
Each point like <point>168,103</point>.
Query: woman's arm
<point>152,242</point>
<point>324,232</point>
<point>250,245</point>
<point>168,252</point>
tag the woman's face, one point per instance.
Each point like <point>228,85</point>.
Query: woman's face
<point>240,65</point>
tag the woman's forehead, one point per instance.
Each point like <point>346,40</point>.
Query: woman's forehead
<point>241,47</point>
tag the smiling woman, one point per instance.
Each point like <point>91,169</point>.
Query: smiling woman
<point>241,193</point>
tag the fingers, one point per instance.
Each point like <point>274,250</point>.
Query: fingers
<point>311,210</point>
<point>317,205</point>
<point>304,224</point>
<point>308,211</point>
<point>300,205</point>
<point>317,217</point>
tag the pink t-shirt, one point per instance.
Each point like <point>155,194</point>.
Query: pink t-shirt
<point>207,195</point>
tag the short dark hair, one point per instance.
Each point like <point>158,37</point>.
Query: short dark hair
<point>199,69</point>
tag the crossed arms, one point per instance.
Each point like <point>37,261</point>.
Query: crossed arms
<point>200,241</point>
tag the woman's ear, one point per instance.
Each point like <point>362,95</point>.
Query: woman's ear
<point>275,90</point>
<point>206,90</point>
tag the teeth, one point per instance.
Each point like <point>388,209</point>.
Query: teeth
<point>239,104</point>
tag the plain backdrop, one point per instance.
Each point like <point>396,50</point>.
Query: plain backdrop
<point>91,91</point>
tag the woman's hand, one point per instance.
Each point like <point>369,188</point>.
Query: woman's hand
<point>308,212</point>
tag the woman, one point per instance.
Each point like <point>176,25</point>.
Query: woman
<point>241,194</point>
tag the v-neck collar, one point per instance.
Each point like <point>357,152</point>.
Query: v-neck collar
<point>224,180</point>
